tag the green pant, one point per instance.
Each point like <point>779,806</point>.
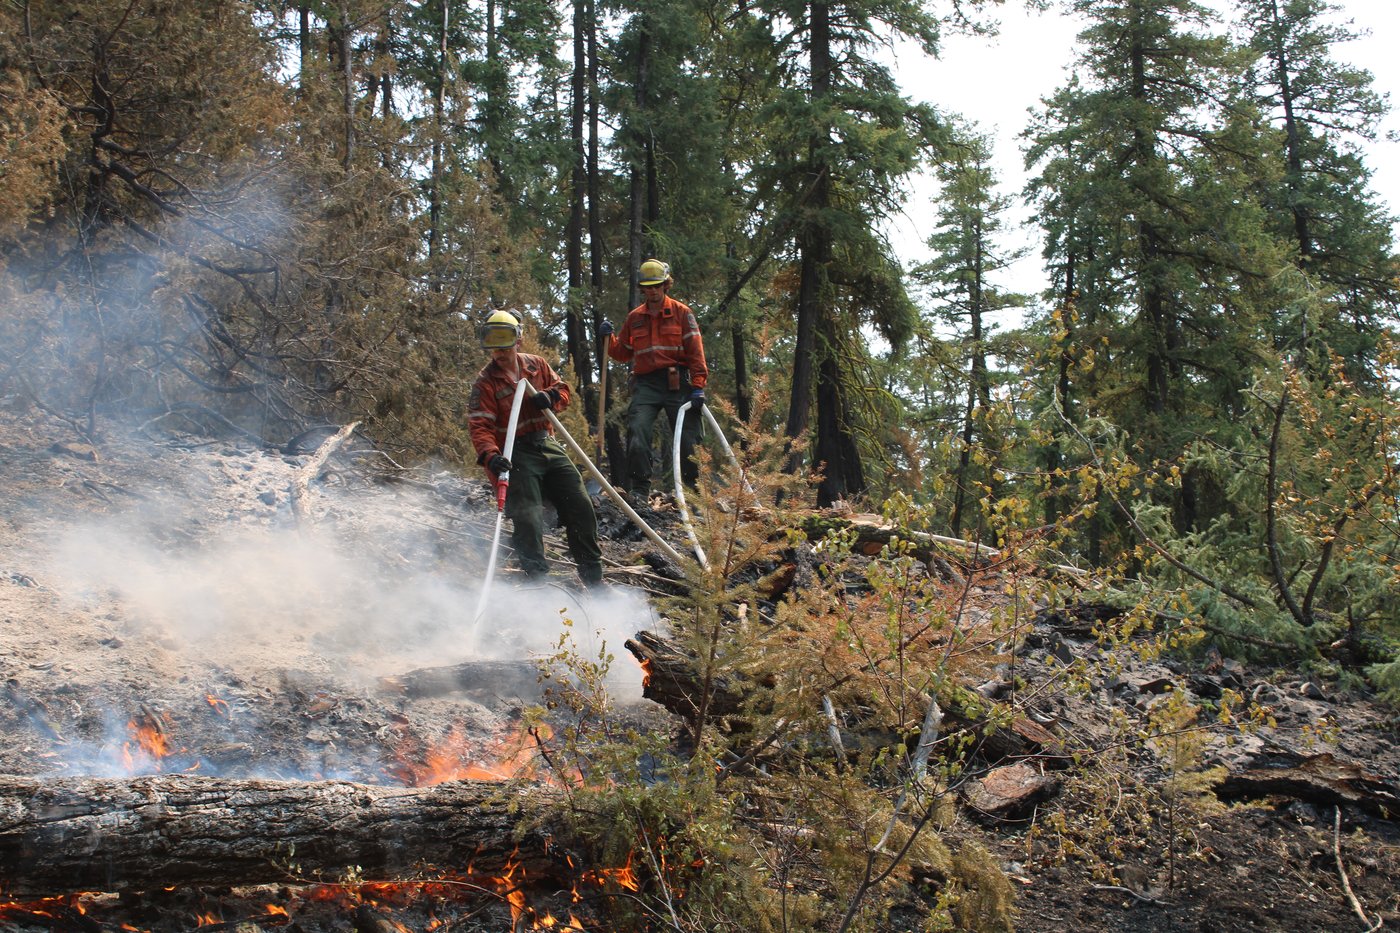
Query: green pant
<point>648,399</point>
<point>541,470</point>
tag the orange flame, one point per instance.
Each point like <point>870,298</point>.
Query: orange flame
<point>456,758</point>
<point>220,706</point>
<point>148,743</point>
<point>646,671</point>
<point>623,877</point>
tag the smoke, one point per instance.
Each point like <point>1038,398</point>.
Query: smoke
<point>374,588</point>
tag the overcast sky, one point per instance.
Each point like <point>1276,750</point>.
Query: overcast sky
<point>994,81</point>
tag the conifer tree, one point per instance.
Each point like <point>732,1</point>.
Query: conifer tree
<point>967,258</point>
<point>845,140</point>
<point>1145,189</point>
<point>1321,200</point>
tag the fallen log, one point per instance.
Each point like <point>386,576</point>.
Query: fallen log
<point>672,680</point>
<point>65,835</point>
<point>497,678</point>
<point>871,534</point>
<point>1323,779</point>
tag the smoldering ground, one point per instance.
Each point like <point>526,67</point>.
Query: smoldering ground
<point>368,591</point>
<point>259,643</point>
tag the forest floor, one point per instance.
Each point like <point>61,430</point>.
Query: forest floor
<point>163,580</point>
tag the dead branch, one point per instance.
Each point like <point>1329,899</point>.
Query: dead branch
<point>300,482</point>
<point>1342,870</point>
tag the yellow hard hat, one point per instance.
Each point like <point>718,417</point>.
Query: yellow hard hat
<point>501,329</point>
<point>653,272</point>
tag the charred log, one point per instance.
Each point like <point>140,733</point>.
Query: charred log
<point>63,835</point>
<point>673,681</point>
<point>496,678</point>
<point>1322,779</point>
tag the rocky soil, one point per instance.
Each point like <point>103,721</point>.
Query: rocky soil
<point>168,607</point>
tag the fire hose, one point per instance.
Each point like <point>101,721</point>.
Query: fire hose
<point>503,481</point>
<point>502,484</point>
<point>676,473</point>
<point>679,487</point>
<point>616,496</point>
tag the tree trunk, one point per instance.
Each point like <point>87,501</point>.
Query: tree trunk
<point>835,453</point>
<point>814,240</point>
<point>63,835</point>
<point>575,338</point>
<point>344,44</point>
<point>439,133</point>
<point>641,160</point>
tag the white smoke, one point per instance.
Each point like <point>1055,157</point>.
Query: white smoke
<point>223,577</point>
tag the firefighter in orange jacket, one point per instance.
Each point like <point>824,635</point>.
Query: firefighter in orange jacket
<point>539,468</point>
<point>661,339</point>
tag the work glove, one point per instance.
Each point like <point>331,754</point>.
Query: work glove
<point>605,329</point>
<point>697,399</point>
<point>544,399</point>
<point>498,465</point>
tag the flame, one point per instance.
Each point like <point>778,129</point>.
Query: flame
<point>58,910</point>
<point>148,744</point>
<point>274,911</point>
<point>623,876</point>
<point>646,671</point>
<point>220,706</point>
<point>456,758</point>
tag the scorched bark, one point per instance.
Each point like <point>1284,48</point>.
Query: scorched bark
<point>63,835</point>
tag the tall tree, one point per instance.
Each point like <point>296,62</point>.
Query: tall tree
<point>1322,200</point>
<point>1145,189</point>
<point>848,139</point>
<point>962,274</point>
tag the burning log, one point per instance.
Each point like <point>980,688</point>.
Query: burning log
<point>673,681</point>
<point>64,835</point>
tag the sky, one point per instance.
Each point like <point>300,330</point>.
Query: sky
<point>994,81</point>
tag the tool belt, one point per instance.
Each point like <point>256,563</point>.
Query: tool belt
<point>672,378</point>
<point>532,439</point>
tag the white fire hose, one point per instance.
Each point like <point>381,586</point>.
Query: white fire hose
<point>502,483</point>
<point>627,510</point>
<point>679,486</point>
<point>607,487</point>
<point>676,472</point>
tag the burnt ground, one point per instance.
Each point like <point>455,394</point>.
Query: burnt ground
<point>164,580</point>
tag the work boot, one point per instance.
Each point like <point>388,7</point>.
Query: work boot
<point>591,576</point>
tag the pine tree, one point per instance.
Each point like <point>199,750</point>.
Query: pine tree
<point>1322,199</point>
<point>1146,172</point>
<point>847,139</point>
<point>961,276</point>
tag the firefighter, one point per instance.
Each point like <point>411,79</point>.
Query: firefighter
<point>661,339</point>
<point>539,468</point>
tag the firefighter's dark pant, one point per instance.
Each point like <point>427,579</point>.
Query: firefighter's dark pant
<point>649,397</point>
<point>541,470</point>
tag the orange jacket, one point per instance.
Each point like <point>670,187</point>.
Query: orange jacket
<point>652,341</point>
<point>488,412</point>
